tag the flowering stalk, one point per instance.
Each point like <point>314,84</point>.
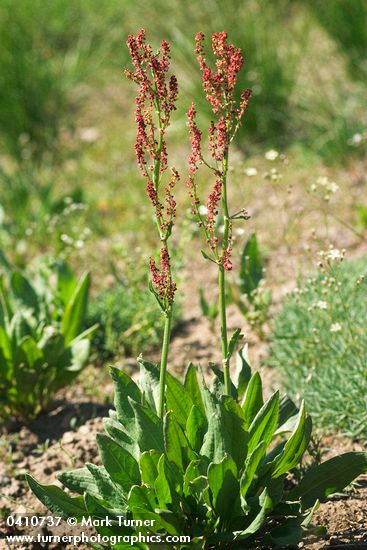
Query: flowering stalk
<point>155,102</point>
<point>219,87</point>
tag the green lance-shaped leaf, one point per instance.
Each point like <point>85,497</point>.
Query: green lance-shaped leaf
<point>253,400</point>
<point>76,309</point>
<point>177,446</point>
<point>149,428</point>
<point>196,427</point>
<point>242,374</point>
<point>168,484</point>
<point>117,432</point>
<point>149,467</point>
<point>66,281</point>
<point>192,386</point>
<point>149,383</point>
<point>251,467</point>
<point>108,491</point>
<point>330,477</point>
<point>264,424</point>
<point>296,445</point>
<point>266,505</point>
<point>178,399</point>
<point>24,291</point>
<point>56,500</point>
<point>235,431</point>
<point>218,383</point>
<point>125,387</point>
<point>120,465</point>
<point>79,481</point>
<point>235,338</point>
<point>251,270</point>
<point>224,486</point>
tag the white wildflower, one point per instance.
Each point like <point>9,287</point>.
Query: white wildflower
<point>251,171</point>
<point>271,154</point>
<point>335,327</point>
<point>321,304</point>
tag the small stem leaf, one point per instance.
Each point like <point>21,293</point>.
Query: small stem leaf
<point>236,337</point>
<point>207,257</point>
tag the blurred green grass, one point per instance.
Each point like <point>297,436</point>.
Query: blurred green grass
<point>66,111</point>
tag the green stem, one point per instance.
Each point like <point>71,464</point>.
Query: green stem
<point>164,356</point>
<point>222,281</point>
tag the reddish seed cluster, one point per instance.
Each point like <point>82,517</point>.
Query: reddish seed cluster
<point>161,278</point>
<point>155,102</point>
<point>219,86</point>
<point>156,93</point>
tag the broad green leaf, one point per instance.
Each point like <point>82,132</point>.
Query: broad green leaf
<point>296,445</point>
<point>148,467</point>
<point>235,432</point>
<point>79,481</point>
<point>120,465</point>
<point>107,490</point>
<point>117,432</point>
<point>243,371</point>
<point>195,469</point>
<point>141,496</point>
<point>124,387</point>
<point>224,486</point>
<point>330,477</point>
<point>24,291</point>
<point>251,270</point>
<point>266,507</point>
<point>56,500</point>
<point>251,467</point>
<point>219,385</point>
<point>287,409</point>
<point>176,444</point>
<point>168,483</point>
<point>253,400</point>
<point>290,532</point>
<point>196,427</point>
<point>80,354</point>
<point>178,400</point>
<point>192,386</point>
<point>149,383</point>
<point>264,424</point>
<point>76,309</point>
<point>149,428</point>
<point>66,281</point>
